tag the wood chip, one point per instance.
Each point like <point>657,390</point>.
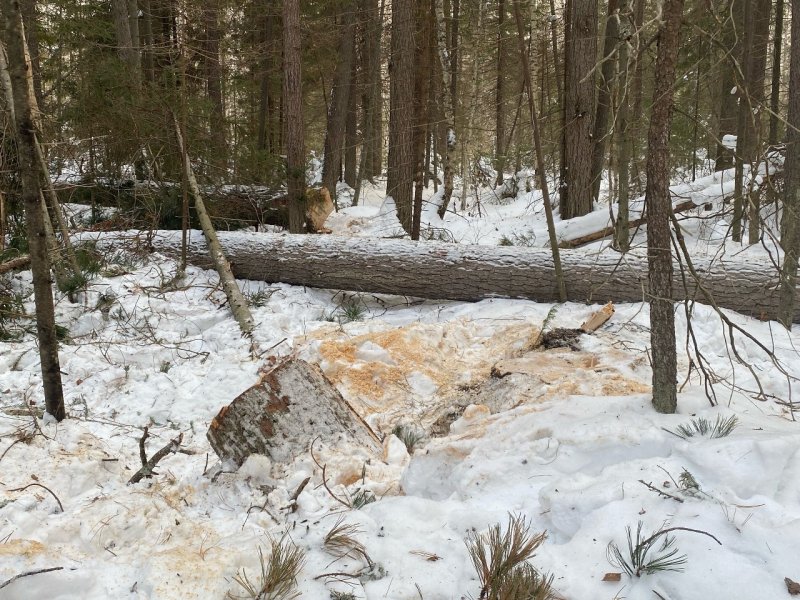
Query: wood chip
<point>612,577</point>
<point>792,586</point>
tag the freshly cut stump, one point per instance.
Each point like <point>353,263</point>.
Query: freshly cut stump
<point>280,416</point>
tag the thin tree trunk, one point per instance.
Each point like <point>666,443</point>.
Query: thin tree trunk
<point>236,301</point>
<point>213,74</point>
<point>602,129</point>
<point>775,94</point>
<point>449,64</point>
<point>340,100</point>
<point>421,106</point>
<point>624,137</point>
<point>791,199</point>
<point>637,113</point>
<point>537,144</point>
<point>146,40</point>
<point>351,130</point>
<point>733,45</point>
<point>400,180</point>
<point>30,24</point>
<point>554,40</point>
<point>466,159</point>
<point>499,95</point>
<point>659,208</point>
<point>294,130</point>
<point>34,216</point>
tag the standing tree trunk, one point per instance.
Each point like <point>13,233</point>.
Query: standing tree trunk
<point>351,130</point>
<point>775,94</point>
<point>791,199</point>
<point>30,21</point>
<point>294,132</point>
<point>579,108</point>
<point>602,130</point>
<point>448,101</point>
<point>499,96</point>
<point>213,73</point>
<point>400,175</point>
<point>421,106</point>
<point>659,208</point>
<point>733,44</point>
<point>624,135</point>
<point>537,144</point>
<point>34,216</point>
<point>340,100</point>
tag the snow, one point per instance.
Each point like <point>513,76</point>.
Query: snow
<point>568,439</point>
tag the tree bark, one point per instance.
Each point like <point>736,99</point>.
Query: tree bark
<point>34,216</point>
<point>791,200</point>
<point>294,130</point>
<point>499,95</point>
<point>447,100</point>
<point>537,144</point>
<point>421,106</point>
<point>213,74</point>
<point>624,134</point>
<point>602,130</point>
<point>339,102</point>
<point>236,301</point>
<point>282,415</point>
<point>400,175</point>
<point>579,108</point>
<point>469,273</point>
<point>775,94</point>
<point>732,43</point>
<point>659,208</point>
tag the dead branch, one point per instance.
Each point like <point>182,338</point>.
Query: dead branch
<point>661,493</point>
<point>28,574</point>
<point>21,262</point>
<point>22,489</point>
<point>148,466</point>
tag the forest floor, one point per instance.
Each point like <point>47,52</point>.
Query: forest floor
<point>568,438</point>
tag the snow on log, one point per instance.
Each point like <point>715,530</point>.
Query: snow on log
<point>280,416</point>
<point>439,270</point>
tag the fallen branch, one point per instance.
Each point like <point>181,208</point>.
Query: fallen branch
<point>22,489</point>
<point>148,466</point>
<point>662,493</point>
<point>21,262</point>
<point>28,574</point>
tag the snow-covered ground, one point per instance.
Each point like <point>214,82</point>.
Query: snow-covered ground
<point>568,438</point>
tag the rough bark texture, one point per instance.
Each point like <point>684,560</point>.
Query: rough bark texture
<point>422,39</point>
<point>579,107</point>
<point>34,216</point>
<point>624,134</point>
<point>602,128</point>
<point>400,174</point>
<point>499,95</point>
<point>294,130</point>
<point>340,100</point>
<point>447,99</point>
<point>283,414</point>
<point>775,91</point>
<point>469,273</point>
<point>791,199</point>
<point>659,208</point>
<point>732,42</point>
<point>213,74</point>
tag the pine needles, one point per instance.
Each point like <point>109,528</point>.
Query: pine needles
<point>723,426</point>
<point>278,574</point>
<point>500,560</point>
<point>646,556</point>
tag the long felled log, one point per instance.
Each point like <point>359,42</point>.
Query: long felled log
<point>462,272</point>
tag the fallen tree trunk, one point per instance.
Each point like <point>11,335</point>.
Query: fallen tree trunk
<point>461,272</point>
<point>20,262</point>
<point>609,231</point>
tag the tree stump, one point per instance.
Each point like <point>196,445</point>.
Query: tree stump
<point>280,416</point>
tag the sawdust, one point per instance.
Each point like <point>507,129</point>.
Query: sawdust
<point>430,372</point>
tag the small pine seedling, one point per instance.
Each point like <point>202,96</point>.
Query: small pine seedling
<point>410,436</point>
<point>278,578</point>
<point>723,426</point>
<point>644,555</point>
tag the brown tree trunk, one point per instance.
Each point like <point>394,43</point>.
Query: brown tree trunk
<point>421,106</point>
<point>624,135</point>
<point>537,144</point>
<point>34,216</point>
<point>499,95</point>
<point>351,130</point>
<point>775,93</point>
<point>448,101</point>
<point>602,130</point>
<point>579,108</point>
<point>732,43</point>
<point>125,45</point>
<point>659,208</point>
<point>146,37</point>
<point>791,199</point>
<point>294,130</point>
<point>213,74</point>
<point>339,102</point>
<point>30,21</point>
<point>399,183</point>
